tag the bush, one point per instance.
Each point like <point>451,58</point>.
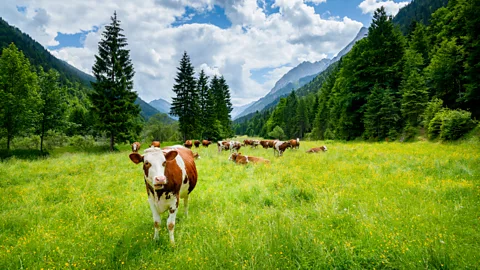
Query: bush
<point>82,142</point>
<point>54,139</point>
<point>277,133</point>
<point>433,107</point>
<point>450,124</point>
<point>455,124</point>
<point>30,142</point>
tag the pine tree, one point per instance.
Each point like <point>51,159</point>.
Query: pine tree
<point>223,105</point>
<point>303,122</point>
<point>185,104</point>
<point>413,89</point>
<point>113,96</point>
<point>53,103</point>
<point>203,91</point>
<point>18,94</point>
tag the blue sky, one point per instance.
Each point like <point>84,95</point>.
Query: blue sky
<point>252,43</point>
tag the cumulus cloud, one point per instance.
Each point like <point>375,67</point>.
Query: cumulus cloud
<point>256,40</point>
<point>316,1</point>
<point>392,8</point>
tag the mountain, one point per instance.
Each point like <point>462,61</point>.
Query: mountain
<point>161,105</point>
<point>239,109</point>
<point>39,56</point>
<point>417,11</point>
<point>298,77</point>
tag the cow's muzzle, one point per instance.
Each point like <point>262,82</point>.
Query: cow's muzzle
<point>159,181</point>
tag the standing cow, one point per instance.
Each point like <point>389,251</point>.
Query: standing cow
<point>135,146</point>
<point>206,143</point>
<point>169,175</point>
<point>196,143</point>
<point>280,147</point>
<point>188,144</point>
<point>295,144</point>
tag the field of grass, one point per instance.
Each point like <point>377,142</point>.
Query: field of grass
<point>357,206</point>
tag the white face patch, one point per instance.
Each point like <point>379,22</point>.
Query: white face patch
<point>325,148</point>
<point>153,161</point>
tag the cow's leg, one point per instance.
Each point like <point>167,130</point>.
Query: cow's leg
<point>185,203</point>
<point>156,218</point>
<point>172,215</point>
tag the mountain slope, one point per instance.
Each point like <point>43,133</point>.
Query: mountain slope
<point>298,77</point>
<point>161,105</point>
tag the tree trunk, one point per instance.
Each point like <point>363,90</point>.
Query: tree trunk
<point>112,141</point>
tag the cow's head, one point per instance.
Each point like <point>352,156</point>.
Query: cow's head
<point>154,163</point>
<point>233,156</point>
<point>324,148</point>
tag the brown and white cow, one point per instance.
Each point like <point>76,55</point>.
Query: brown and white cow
<point>280,147</point>
<point>247,142</point>
<point>188,144</point>
<point>295,144</point>
<point>317,149</point>
<point>241,159</point>
<point>264,144</point>
<point>223,145</point>
<point>135,146</point>
<point>255,143</point>
<point>271,143</point>
<point>169,174</point>
<point>206,143</point>
<point>196,143</point>
<point>155,144</point>
<point>235,146</point>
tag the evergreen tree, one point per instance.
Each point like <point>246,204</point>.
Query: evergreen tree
<point>223,105</point>
<point>302,116</point>
<point>53,104</point>
<point>372,117</point>
<point>113,98</point>
<point>203,91</point>
<point>185,104</point>
<point>18,94</point>
<point>472,50</point>
<point>290,116</point>
<point>210,131</point>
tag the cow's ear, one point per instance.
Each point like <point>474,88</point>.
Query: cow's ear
<point>171,155</point>
<point>136,158</point>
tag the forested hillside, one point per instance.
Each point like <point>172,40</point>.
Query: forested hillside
<point>390,85</point>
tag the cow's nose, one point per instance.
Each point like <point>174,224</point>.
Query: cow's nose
<point>160,180</point>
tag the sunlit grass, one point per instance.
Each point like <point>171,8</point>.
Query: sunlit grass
<point>359,205</point>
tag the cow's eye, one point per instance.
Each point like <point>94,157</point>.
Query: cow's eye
<point>164,163</point>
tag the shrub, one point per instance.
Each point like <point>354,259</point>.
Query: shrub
<point>30,142</point>
<point>82,142</point>
<point>433,107</point>
<point>54,139</point>
<point>455,124</point>
<point>435,125</point>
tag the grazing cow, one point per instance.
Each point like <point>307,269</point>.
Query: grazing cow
<point>280,147</point>
<point>223,145</point>
<point>235,146</point>
<point>241,159</point>
<point>295,143</point>
<point>271,143</point>
<point>206,143</point>
<point>264,144</point>
<point>317,149</point>
<point>169,174</point>
<point>247,142</point>
<point>188,144</point>
<point>135,147</point>
<point>196,143</point>
<point>155,144</point>
<point>255,143</point>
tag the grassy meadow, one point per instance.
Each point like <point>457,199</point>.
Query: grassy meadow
<point>358,206</point>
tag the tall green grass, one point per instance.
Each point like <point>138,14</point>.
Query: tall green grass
<point>357,206</point>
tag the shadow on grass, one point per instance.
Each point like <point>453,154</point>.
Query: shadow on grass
<point>25,154</point>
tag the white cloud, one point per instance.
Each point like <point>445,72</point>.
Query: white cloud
<point>316,2</point>
<point>392,8</point>
<point>256,40</point>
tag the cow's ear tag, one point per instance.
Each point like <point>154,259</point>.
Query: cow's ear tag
<point>136,158</point>
<point>171,155</point>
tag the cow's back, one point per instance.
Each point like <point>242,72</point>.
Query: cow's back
<point>190,167</point>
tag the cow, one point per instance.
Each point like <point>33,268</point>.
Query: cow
<point>188,144</point>
<point>247,142</point>
<point>169,174</point>
<point>223,145</point>
<point>155,144</point>
<point>241,159</point>
<point>295,144</point>
<point>206,143</point>
<point>280,147</point>
<point>135,147</point>
<point>317,149</point>
<point>271,143</point>
<point>264,144</point>
<point>196,143</point>
<point>255,143</point>
<point>235,146</point>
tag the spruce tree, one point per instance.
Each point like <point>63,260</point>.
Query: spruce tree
<point>202,89</point>
<point>227,108</point>
<point>185,103</point>
<point>18,94</point>
<point>113,96</point>
<point>53,103</point>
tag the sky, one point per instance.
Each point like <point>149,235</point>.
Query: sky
<point>252,43</point>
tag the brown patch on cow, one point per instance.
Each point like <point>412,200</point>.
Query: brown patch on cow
<point>172,210</point>
<point>146,167</point>
<point>190,167</point>
<point>150,189</point>
<point>171,226</point>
